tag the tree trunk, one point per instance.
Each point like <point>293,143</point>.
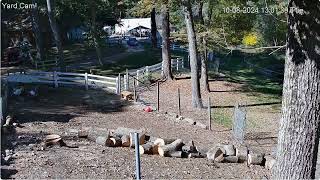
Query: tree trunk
<point>195,84</point>
<point>56,34</point>
<point>299,126</point>
<point>153,28</point>
<point>37,33</point>
<point>166,57</point>
<point>204,67</point>
<point>94,32</point>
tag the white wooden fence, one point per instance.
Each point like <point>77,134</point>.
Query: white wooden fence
<point>114,84</point>
<point>61,78</point>
<point>176,64</point>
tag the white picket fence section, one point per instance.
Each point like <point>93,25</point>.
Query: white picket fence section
<point>113,84</point>
<point>176,64</point>
<point>61,78</point>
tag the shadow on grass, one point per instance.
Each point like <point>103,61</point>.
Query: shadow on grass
<point>63,104</point>
<point>236,69</point>
<point>249,105</point>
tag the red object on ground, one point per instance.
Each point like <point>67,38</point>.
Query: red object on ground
<point>147,109</point>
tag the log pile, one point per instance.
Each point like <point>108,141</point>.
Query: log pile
<point>221,153</point>
<point>228,153</point>
<point>124,137</point>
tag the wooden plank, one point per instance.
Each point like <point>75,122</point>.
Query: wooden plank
<point>70,74</point>
<point>71,79</point>
<point>71,83</point>
<point>102,77</point>
<point>104,82</point>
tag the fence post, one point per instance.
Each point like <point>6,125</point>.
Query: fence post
<point>138,74</point>
<point>55,78</point>
<point>179,105</point>
<point>209,113</point>
<point>86,80</point>
<point>134,90</point>
<point>161,68</point>
<point>119,86</point>
<point>158,96</point>
<point>147,69</point>
<point>138,172</point>
<point>182,63</point>
<point>127,80</point>
<point>177,61</point>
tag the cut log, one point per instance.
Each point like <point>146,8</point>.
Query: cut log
<point>200,125</point>
<point>132,139</point>
<point>162,142</point>
<point>150,138</point>
<point>125,140</point>
<point>176,154</point>
<point>189,121</point>
<point>101,140</point>
<point>189,147</point>
<point>113,142</point>
<point>230,159</point>
<point>242,154</point>
<point>174,146</point>
<point>255,158</point>
<point>195,155</point>
<point>216,154</point>
<point>147,148</point>
<point>83,133</point>
<point>93,133</point>
<point>230,151</point>
<point>269,162</point>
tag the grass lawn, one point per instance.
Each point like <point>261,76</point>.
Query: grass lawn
<point>250,69</point>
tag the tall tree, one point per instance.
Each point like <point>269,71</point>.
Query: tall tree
<point>56,34</point>
<point>203,50</point>
<point>94,31</point>
<point>299,126</point>
<point>195,84</point>
<point>153,28</point>
<point>37,33</point>
<point>166,57</point>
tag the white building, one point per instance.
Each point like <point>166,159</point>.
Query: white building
<point>129,24</point>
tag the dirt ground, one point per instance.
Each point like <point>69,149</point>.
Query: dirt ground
<point>56,111</point>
